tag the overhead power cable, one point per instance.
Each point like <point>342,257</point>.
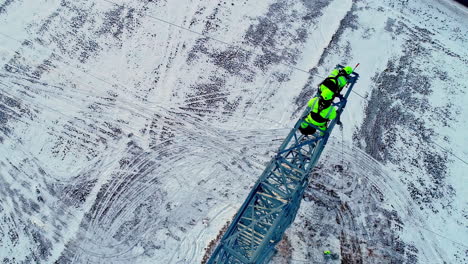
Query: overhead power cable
<point>247,50</point>
<point>210,37</point>
<point>228,44</point>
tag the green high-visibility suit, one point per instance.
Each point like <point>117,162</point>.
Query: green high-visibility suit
<point>332,85</point>
<point>317,116</point>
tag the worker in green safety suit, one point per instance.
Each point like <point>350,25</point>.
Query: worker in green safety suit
<point>321,111</point>
<point>335,82</point>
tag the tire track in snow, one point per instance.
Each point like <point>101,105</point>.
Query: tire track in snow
<point>112,196</point>
<point>373,211</point>
<point>204,145</point>
<point>188,250</point>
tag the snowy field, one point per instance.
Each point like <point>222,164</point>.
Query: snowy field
<point>132,131</point>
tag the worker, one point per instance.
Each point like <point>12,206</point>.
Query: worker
<point>335,82</point>
<point>321,111</point>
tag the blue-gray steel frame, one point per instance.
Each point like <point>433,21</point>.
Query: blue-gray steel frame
<point>274,201</point>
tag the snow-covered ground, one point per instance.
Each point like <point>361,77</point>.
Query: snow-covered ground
<point>132,131</point>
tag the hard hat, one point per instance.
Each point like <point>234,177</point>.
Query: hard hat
<point>348,69</point>
<point>327,252</point>
<point>327,94</point>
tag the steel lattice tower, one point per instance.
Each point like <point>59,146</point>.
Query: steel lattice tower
<point>274,200</point>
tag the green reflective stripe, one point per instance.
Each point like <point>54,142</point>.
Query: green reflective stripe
<point>311,101</point>
<point>342,81</point>
<point>320,127</point>
<point>314,104</point>
<point>313,122</point>
<point>334,73</point>
<point>330,110</point>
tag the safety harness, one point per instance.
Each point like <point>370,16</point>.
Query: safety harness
<point>332,82</point>
<point>316,116</point>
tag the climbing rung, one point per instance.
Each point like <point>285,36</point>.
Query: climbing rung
<point>287,176</point>
<point>290,176</point>
<point>251,229</point>
<point>252,219</point>
<point>284,164</point>
<point>250,237</point>
<point>262,208</point>
<point>275,190</point>
<point>273,197</point>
